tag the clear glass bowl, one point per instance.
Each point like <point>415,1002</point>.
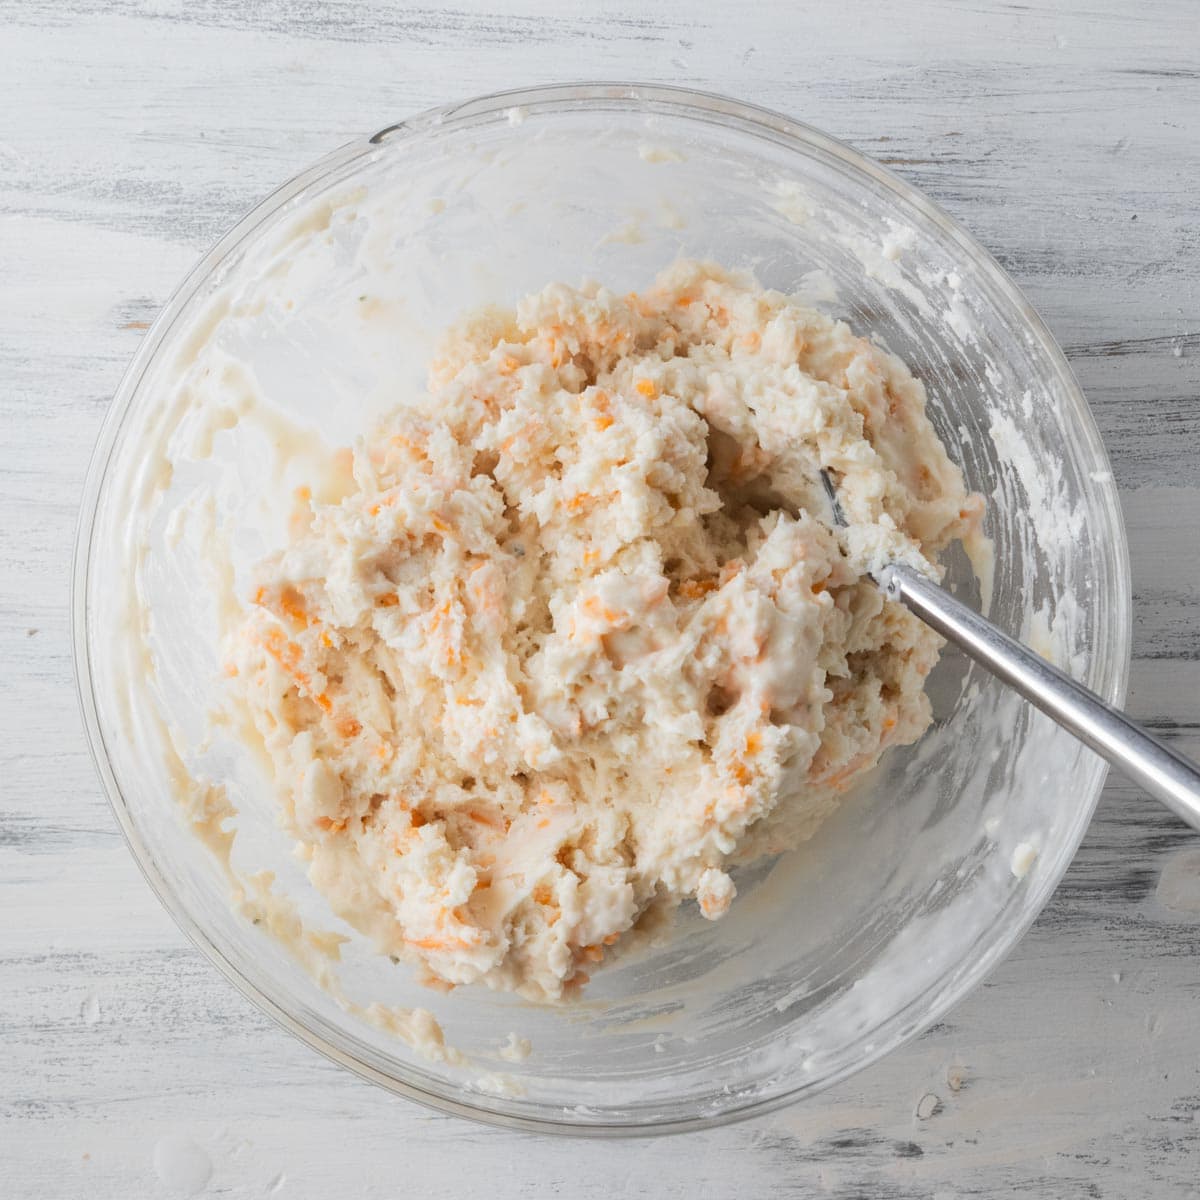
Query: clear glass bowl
<point>333,289</point>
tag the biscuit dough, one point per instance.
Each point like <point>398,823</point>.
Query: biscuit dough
<point>578,635</point>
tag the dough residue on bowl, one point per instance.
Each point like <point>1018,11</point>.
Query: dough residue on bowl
<point>574,633</point>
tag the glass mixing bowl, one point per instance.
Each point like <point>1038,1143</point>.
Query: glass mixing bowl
<point>320,309</point>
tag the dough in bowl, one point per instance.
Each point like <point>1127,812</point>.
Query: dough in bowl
<point>573,633</point>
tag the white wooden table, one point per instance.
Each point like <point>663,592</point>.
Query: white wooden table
<point>1064,135</point>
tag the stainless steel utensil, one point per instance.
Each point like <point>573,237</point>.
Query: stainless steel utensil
<point>1166,775</point>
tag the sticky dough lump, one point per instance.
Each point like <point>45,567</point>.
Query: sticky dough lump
<point>578,635</point>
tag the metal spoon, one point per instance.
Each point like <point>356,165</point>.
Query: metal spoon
<point>1167,776</point>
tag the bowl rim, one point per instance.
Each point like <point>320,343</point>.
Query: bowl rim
<point>901,1026</point>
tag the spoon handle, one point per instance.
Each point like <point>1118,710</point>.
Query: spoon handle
<point>1167,776</point>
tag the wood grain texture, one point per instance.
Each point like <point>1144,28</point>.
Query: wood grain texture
<point>1063,135</point>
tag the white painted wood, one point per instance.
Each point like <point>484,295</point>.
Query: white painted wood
<point>1064,135</point>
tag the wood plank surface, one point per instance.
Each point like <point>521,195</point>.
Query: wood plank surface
<point>1064,135</point>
